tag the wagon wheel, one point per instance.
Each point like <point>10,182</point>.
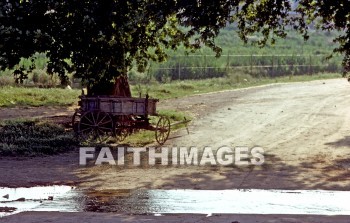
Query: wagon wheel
<point>123,127</point>
<point>121,133</point>
<point>96,126</point>
<point>162,130</point>
<point>76,120</point>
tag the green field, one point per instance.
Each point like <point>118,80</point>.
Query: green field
<point>22,96</point>
<point>289,56</point>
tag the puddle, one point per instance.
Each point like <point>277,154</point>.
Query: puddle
<point>229,202</point>
<point>52,198</point>
<point>68,199</point>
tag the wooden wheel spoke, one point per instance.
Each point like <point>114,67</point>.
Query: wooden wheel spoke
<point>105,128</point>
<point>93,118</point>
<point>104,117</point>
<point>162,130</point>
<point>164,122</point>
<point>96,126</point>
<point>84,130</point>
<point>107,122</point>
<point>102,132</point>
<point>85,117</point>
<point>87,124</point>
<point>97,117</point>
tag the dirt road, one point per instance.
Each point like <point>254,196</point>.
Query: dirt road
<point>304,129</point>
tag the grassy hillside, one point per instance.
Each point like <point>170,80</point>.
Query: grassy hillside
<point>289,56</point>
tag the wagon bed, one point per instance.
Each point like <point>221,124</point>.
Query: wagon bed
<point>119,105</point>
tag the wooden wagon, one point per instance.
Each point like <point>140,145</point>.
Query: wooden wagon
<point>101,117</point>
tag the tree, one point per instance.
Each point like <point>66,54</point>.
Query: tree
<point>101,40</point>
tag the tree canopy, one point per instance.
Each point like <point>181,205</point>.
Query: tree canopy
<point>100,40</point>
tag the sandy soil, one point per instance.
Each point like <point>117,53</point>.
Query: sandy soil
<point>304,129</point>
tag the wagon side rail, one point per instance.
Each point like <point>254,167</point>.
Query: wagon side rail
<point>119,105</point>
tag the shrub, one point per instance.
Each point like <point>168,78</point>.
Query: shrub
<point>238,77</point>
<point>30,138</point>
<point>40,77</point>
<point>6,80</point>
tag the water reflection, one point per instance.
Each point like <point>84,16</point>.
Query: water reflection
<point>69,199</point>
<point>226,201</point>
<point>51,198</point>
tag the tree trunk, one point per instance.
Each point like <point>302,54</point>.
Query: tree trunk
<point>122,87</point>
<point>119,88</point>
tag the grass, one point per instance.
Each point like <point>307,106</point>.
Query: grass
<point>312,52</point>
<point>21,96</point>
<point>178,89</point>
